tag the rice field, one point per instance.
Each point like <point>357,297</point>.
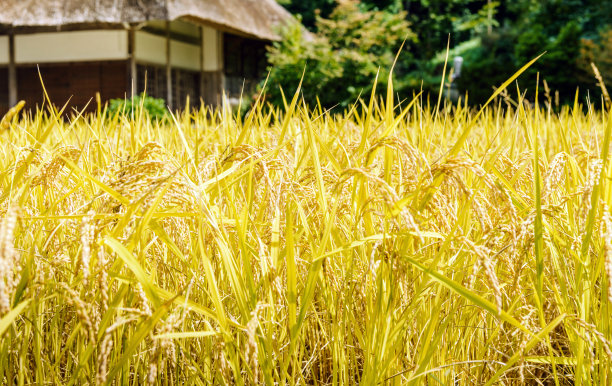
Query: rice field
<point>398,242</point>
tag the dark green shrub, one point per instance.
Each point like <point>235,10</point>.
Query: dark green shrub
<point>155,107</point>
<point>486,65</point>
<point>560,65</point>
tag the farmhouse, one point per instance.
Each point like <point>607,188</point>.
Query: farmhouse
<point>174,48</point>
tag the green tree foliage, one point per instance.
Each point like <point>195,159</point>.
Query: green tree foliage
<point>598,51</point>
<point>495,37</point>
<point>560,66</point>
<point>561,28</point>
<point>341,61</point>
<point>486,65</point>
<point>308,10</point>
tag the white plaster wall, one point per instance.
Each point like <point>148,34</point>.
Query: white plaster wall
<point>150,48</point>
<point>184,55</point>
<point>75,46</point>
<point>210,40</point>
<point>4,50</point>
<point>72,46</point>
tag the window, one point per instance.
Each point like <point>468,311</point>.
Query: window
<point>185,83</point>
<point>152,79</point>
<point>245,63</point>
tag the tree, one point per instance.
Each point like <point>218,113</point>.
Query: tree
<point>308,10</point>
<point>495,37</point>
<point>598,51</point>
<point>343,59</point>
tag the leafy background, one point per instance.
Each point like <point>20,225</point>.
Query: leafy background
<point>350,41</point>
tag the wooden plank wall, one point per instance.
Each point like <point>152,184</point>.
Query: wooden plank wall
<point>3,90</point>
<point>77,82</point>
<point>211,82</point>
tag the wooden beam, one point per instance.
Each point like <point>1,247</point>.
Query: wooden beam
<point>221,66</point>
<point>169,100</point>
<point>133,80</point>
<point>201,64</point>
<point>12,71</point>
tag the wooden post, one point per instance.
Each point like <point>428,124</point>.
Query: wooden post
<point>201,63</point>
<point>220,67</point>
<point>12,71</point>
<point>132,58</point>
<point>169,100</point>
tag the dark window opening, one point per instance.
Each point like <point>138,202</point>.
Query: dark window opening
<point>245,64</point>
<point>151,80</point>
<point>185,83</point>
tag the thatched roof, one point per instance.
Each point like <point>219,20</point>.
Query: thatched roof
<point>255,18</point>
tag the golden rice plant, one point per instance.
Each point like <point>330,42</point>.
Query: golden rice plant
<point>393,243</point>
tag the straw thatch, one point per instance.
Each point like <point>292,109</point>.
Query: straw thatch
<point>256,18</point>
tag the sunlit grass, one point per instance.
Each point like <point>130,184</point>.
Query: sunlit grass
<point>388,244</point>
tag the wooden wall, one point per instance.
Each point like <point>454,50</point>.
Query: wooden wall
<point>205,63</point>
<point>3,90</point>
<point>77,82</point>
